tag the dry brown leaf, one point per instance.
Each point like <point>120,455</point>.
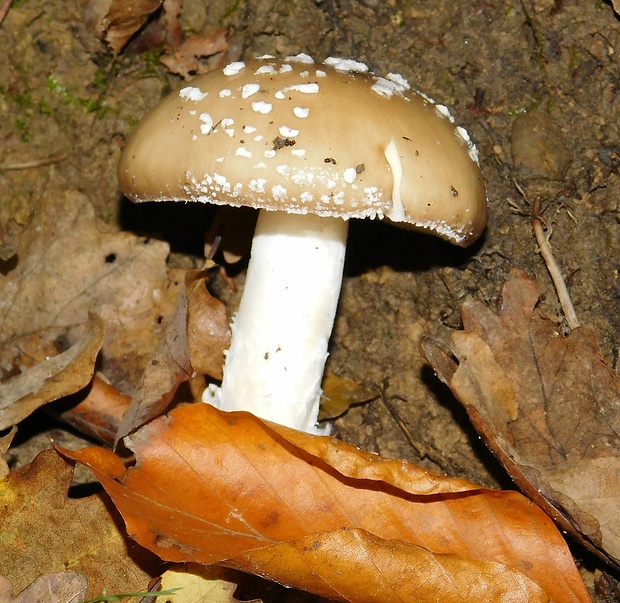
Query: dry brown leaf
<point>317,514</point>
<point>57,587</point>
<point>208,327</point>
<point>547,405</point>
<point>169,367</point>
<point>198,584</point>
<point>194,340</point>
<point>77,534</point>
<point>5,444</point>
<point>70,263</point>
<point>186,60</point>
<point>116,20</point>
<point>51,379</point>
<point>340,394</point>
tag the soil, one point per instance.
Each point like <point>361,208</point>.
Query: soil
<point>535,82</point>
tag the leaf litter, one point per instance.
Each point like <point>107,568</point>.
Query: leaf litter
<point>69,264</point>
<point>547,405</point>
<point>51,379</point>
<point>80,534</point>
<point>377,529</point>
<point>56,333</point>
<point>194,583</point>
<point>55,587</point>
<point>317,514</point>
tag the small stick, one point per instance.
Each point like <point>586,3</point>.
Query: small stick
<point>423,451</point>
<point>33,163</point>
<point>552,265</point>
<point>4,9</point>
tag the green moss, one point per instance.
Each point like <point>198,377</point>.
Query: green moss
<point>101,80</point>
<point>232,9</point>
<point>549,105</point>
<point>24,126</point>
<point>90,105</point>
<point>132,121</point>
<point>151,62</point>
<point>23,99</point>
<point>45,108</point>
<point>573,63</point>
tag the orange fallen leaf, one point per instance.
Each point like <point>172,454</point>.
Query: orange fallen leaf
<point>317,514</point>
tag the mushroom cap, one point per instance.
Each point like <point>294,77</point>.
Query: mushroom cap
<point>302,137</point>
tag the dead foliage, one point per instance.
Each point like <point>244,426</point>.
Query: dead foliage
<point>141,25</point>
<point>317,514</point>
<point>51,379</point>
<point>547,405</point>
<point>56,587</point>
<point>43,530</point>
<point>69,263</point>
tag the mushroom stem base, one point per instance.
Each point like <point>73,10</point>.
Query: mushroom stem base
<point>280,334</point>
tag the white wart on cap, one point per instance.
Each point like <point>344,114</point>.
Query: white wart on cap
<point>301,137</point>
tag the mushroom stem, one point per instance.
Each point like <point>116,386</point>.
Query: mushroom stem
<point>280,334</point>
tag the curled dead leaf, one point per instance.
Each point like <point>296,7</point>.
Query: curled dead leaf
<point>99,413</point>
<point>317,514</point>
<point>547,405</point>
<point>53,378</point>
<point>117,21</point>
<point>208,327</point>
<point>5,443</point>
<point>169,367</point>
<point>193,342</point>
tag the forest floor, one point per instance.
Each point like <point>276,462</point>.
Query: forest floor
<point>535,83</point>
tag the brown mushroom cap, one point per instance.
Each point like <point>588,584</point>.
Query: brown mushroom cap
<point>302,137</point>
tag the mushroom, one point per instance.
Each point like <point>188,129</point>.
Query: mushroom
<point>309,145</point>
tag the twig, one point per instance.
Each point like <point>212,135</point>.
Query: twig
<point>423,451</point>
<point>552,265</point>
<point>33,163</point>
<point>4,9</point>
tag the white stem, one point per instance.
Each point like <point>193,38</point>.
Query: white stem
<point>280,334</point>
